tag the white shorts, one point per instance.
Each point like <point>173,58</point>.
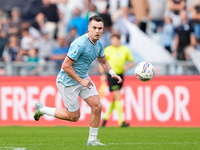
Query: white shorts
<point>70,95</point>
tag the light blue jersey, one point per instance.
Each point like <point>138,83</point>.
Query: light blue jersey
<point>83,52</point>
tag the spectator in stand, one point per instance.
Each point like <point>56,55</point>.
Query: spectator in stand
<point>61,25</point>
<point>4,21</point>
<point>121,27</point>
<point>100,5</point>
<point>3,41</point>
<point>15,22</point>
<point>173,8</point>
<point>184,36</point>
<point>115,6</point>
<point>33,58</point>
<point>107,18</point>
<point>72,35</point>
<point>194,9</point>
<point>90,12</point>
<point>11,50</point>
<point>67,7</point>
<point>30,11</point>
<point>78,22</point>
<point>167,34</point>
<point>156,13</point>
<point>58,54</point>
<point>45,45</point>
<point>33,32</point>
<point>50,13</point>
<point>107,26</point>
<point>26,43</point>
<point>3,32</point>
<point>61,5</point>
<point>140,9</point>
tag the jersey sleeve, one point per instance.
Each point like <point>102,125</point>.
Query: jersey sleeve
<point>75,51</point>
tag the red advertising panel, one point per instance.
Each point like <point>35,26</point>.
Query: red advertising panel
<point>163,101</point>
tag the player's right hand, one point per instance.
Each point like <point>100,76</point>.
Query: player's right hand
<point>87,82</point>
<point>114,76</point>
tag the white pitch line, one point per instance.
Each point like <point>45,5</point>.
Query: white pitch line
<point>14,148</point>
<point>154,143</point>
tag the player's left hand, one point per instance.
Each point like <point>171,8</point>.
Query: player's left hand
<point>114,76</point>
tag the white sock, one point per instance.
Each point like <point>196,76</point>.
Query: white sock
<point>93,134</point>
<point>48,111</point>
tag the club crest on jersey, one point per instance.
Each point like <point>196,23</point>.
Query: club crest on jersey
<point>72,106</point>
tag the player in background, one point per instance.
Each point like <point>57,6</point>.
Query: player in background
<point>73,80</point>
<point>117,56</point>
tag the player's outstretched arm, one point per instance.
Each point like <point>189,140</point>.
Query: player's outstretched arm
<point>106,66</point>
<point>104,63</point>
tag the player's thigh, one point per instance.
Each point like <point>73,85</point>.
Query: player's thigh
<point>85,92</point>
<point>70,96</point>
<point>90,96</point>
<point>93,101</point>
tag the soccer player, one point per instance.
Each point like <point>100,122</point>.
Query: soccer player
<point>73,80</point>
<point>117,56</point>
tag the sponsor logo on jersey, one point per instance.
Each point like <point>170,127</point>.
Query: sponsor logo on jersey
<point>75,51</point>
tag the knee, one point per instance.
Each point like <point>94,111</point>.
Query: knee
<point>74,118</point>
<point>97,108</point>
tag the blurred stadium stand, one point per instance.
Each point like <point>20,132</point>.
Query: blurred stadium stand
<point>142,34</point>
<point>9,4</point>
<point>48,69</point>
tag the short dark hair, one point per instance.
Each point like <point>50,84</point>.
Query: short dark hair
<point>96,18</point>
<point>116,34</point>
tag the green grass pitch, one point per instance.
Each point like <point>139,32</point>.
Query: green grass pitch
<point>116,138</point>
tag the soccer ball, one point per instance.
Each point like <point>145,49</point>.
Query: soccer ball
<point>144,71</point>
